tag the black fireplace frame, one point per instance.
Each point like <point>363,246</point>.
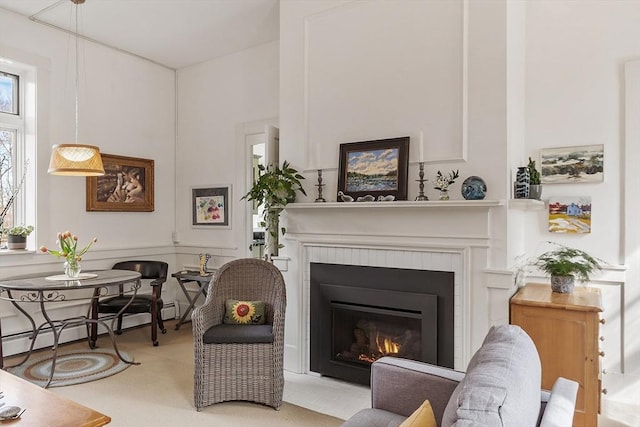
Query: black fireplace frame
<point>429,294</point>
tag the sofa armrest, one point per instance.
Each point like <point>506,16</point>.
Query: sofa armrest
<point>561,405</point>
<point>402,385</point>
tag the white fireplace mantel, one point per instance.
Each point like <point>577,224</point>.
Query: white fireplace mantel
<point>399,204</point>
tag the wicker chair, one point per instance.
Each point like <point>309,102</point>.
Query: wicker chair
<point>240,362</point>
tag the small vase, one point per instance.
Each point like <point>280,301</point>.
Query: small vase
<point>444,194</point>
<point>562,284</point>
<point>72,269</point>
<point>522,183</point>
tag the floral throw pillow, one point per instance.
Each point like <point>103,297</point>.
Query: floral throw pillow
<point>243,312</point>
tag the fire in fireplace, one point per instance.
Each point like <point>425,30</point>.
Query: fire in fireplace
<point>359,314</point>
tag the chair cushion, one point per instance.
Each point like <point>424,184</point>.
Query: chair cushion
<point>502,383</point>
<point>238,334</point>
<point>140,304</point>
<point>422,417</point>
<point>238,312</point>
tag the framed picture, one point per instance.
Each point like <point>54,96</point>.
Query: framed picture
<point>210,206</point>
<point>374,168</point>
<point>570,215</point>
<point>126,186</point>
<point>569,165</point>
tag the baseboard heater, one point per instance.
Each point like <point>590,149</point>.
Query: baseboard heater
<point>19,342</point>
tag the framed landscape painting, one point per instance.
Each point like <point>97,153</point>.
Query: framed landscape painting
<point>570,215</point>
<point>374,168</point>
<point>569,165</point>
<point>210,206</point>
<point>126,186</point>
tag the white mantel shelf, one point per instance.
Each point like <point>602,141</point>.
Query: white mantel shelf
<point>399,204</point>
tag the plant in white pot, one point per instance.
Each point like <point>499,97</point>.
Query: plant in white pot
<point>274,189</point>
<point>564,265</point>
<point>17,236</point>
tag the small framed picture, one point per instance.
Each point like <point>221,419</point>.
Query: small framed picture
<point>374,168</point>
<point>126,186</point>
<point>572,165</point>
<point>570,214</point>
<point>210,206</point>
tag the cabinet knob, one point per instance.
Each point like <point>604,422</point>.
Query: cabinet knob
<point>601,354</point>
<point>603,321</point>
<point>604,391</point>
<point>602,338</point>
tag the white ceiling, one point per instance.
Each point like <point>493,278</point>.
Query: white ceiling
<point>174,33</point>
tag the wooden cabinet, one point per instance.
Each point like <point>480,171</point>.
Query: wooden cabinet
<point>565,329</point>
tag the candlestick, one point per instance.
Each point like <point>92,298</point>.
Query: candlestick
<point>421,196</point>
<point>421,147</point>
<point>320,199</point>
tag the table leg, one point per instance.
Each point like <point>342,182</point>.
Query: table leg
<point>202,289</point>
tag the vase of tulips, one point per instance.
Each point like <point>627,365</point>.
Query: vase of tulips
<point>69,251</point>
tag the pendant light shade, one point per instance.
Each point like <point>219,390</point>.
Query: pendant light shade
<point>76,160</point>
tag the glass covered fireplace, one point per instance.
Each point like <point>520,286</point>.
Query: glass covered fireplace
<point>359,314</point>
<point>363,334</point>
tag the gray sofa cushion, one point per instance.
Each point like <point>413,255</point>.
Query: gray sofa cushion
<point>374,418</point>
<point>502,383</point>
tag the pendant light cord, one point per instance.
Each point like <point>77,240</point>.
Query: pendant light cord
<point>77,72</point>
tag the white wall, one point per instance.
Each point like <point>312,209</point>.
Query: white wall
<point>127,107</point>
<point>215,99</point>
<point>575,57</point>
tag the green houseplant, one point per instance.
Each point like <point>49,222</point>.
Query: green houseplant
<point>535,183</point>
<point>564,264</point>
<point>274,189</point>
<point>17,236</point>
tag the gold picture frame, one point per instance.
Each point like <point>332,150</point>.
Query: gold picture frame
<point>126,186</point>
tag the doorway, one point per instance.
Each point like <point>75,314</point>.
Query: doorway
<point>260,140</point>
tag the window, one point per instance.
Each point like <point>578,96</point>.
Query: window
<point>13,145</point>
<point>9,97</point>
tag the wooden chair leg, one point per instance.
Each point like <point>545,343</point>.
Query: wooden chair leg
<point>154,326</point>
<point>161,322</point>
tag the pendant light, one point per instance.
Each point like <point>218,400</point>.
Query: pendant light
<point>76,159</point>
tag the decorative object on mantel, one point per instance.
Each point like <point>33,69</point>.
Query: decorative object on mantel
<point>69,251</point>
<point>344,197</point>
<point>563,265</point>
<point>274,189</point>
<point>421,180</point>
<point>17,236</point>
<point>570,215</point>
<point>389,198</point>
<point>473,188</point>
<point>376,168</point>
<point>204,259</point>
<point>367,198</point>
<point>535,185</point>
<point>521,186</point>
<point>320,199</point>
<point>442,183</point>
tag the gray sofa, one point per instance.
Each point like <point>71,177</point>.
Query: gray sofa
<point>500,388</point>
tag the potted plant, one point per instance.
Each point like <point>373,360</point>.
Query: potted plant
<point>274,189</point>
<point>564,264</point>
<point>535,184</point>
<point>17,236</point>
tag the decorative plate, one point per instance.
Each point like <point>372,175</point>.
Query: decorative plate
<point>473,188</point>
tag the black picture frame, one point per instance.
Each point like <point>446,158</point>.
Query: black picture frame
<point>359,162</point>
<point>210,206</point>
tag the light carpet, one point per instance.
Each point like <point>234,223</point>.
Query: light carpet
<point>75,367</point>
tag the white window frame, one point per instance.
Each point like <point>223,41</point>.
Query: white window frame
<point>24,123</point>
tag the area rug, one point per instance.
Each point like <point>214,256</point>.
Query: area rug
<point>72,367</point>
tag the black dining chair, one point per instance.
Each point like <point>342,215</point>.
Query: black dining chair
<point>156,272</point>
